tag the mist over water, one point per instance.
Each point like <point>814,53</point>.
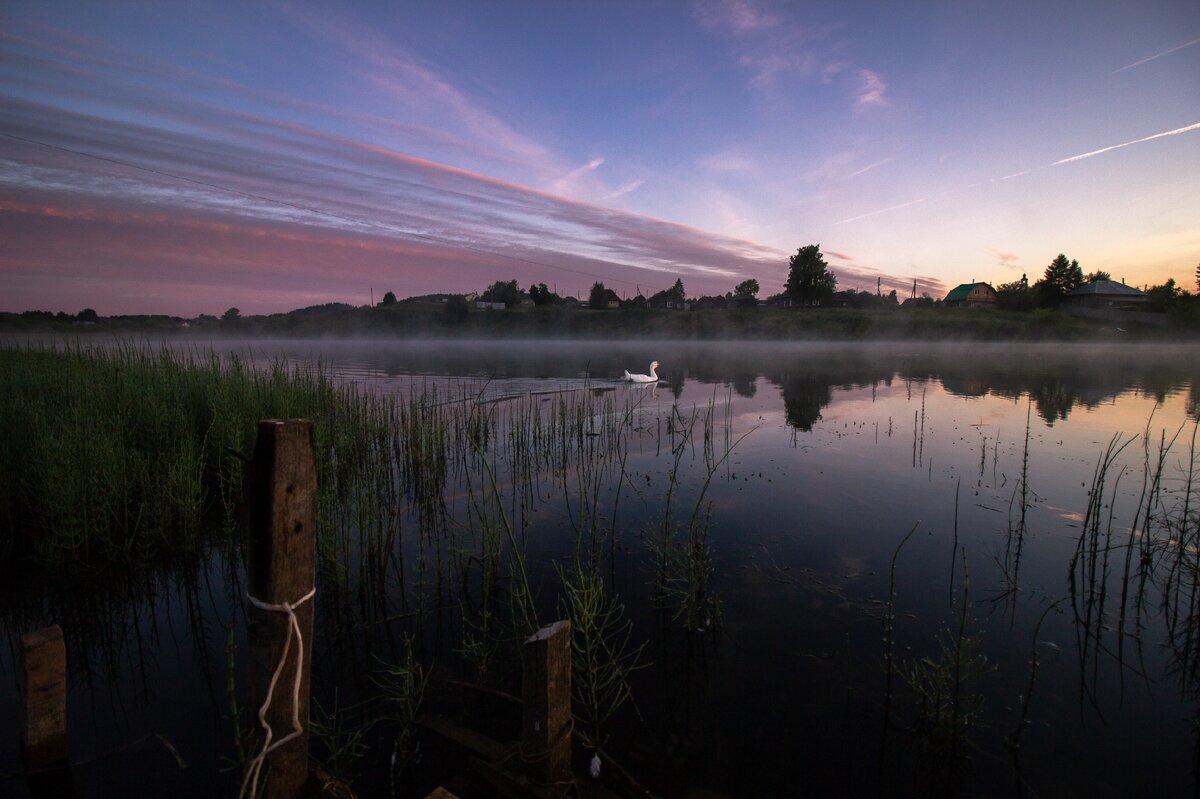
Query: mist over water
<point>822,459</point>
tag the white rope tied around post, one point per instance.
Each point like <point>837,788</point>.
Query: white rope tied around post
<point>252,773</point>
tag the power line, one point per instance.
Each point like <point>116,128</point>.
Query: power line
<point>309,209</point>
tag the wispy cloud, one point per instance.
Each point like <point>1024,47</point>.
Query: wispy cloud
<point>622,190</point>
<point>730,162</point>
<point>418,89</point>
<point>737,16</point>
<point>1006,259</point>
<point>868,167</point>
<point>871,92</point>
<point>566,182</point>
<point>1156,55</point>
<point>1082,156</point>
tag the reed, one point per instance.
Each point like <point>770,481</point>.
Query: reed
<point>124,453</point>
<point>947,707</point>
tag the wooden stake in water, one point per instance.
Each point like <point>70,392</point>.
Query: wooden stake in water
<point>282,497</point>
<point>44,683</point>
<point>546,689</point>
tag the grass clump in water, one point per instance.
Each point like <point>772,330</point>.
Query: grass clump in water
<point>123,453</point>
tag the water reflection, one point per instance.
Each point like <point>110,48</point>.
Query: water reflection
<point>804,535</point>
<point>1060,378</point>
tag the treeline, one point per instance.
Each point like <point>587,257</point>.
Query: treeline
<point>1064,275</point>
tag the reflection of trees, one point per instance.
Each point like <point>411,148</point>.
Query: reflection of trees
<point>804,395</point>
<point>745,386</point>
<point>1054,401</point>
<point>1057,379</point>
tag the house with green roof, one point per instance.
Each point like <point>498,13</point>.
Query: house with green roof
<point>971,295</point>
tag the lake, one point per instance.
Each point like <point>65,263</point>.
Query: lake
<point>834,569</point>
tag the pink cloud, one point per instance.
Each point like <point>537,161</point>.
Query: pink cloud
<point>871,90</point>
<point>736,16</point>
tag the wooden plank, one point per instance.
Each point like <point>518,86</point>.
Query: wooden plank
<point>44,683</point>
<point>470,740</point>
<point>282,488</point>
<point>440,793</point>
<point>546,717</point>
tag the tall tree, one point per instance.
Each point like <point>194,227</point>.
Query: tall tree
<point>677,289</point>
<point>541,295</point>
<point>506,292</point>
<point>599,296</point>
<point>389,299</point>
<point>1198,278</point>
<point>1099,274</point>
<point>1060,277</point>
<point>747,288</point>
<point>809,280</point>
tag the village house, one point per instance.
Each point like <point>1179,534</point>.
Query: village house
<point>1105,294</point>
<point>669,300</point>
<point>971,295</point>
<point>611,299</point>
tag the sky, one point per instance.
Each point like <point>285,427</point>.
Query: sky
<point>184,158</point>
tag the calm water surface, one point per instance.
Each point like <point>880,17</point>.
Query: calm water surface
<point>822,460</point>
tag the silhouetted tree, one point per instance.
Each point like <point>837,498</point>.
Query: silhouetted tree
<point>542,295</point>
<point>598,298</point>
<point>1164,297</point>
<point>1060,277</point>
<point>506,292</point>
<point>747,288</point>
<point>1016,296</point>
<point>1198,278</point>
<point>87,315</point>
<point>456,309</point>
<point>232,316</point>
<point>809,281</point>
<point>389,299</point>
<point>678,291</point>
<point>1099,274</point>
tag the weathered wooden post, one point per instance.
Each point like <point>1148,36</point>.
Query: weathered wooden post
<point>546,690</point>
<point>44,683</point>
<point>282,497</point>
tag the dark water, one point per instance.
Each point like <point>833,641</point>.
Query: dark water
<point>836,454</point>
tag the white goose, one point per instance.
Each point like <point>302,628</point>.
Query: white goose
<point>650,378</point>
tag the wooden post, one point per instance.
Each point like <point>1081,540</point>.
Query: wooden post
<point>44,679</point>
<point>546,689</point>
<point>282,496</point>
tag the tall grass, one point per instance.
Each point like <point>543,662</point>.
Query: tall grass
<point>128,452</point>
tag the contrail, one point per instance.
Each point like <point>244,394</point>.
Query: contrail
<point>880,211</point>
<point>1159,55</point>
<point>1126,144</point>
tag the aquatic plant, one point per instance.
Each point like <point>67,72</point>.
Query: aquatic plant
<point>947,706</point>
<point>602,655</point>
<point>402,686</point>
<point>340,737</point>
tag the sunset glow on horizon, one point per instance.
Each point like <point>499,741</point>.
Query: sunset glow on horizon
<point>185,158</point>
